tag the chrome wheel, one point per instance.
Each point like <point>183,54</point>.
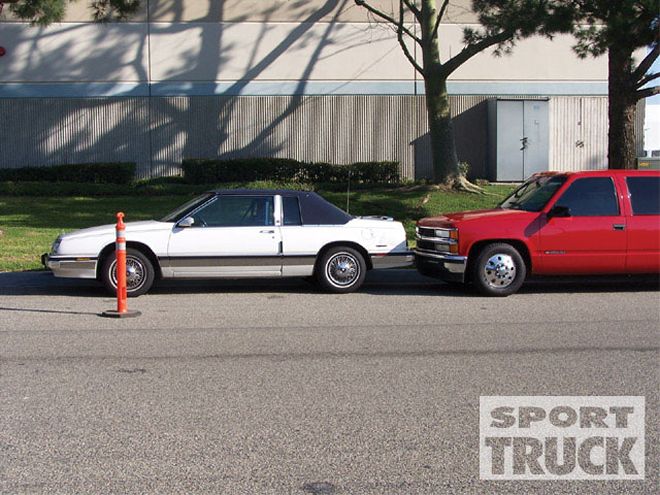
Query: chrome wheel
<point>136,273</point>
<point>140,273</point>
<point>499,271</point>
<point>342,269</point>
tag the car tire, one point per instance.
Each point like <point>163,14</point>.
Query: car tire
<point>341,270</point>
<point>499,270</point>
<point>139,277</point>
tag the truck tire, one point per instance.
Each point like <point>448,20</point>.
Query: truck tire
<point>341,270</point>
<point>139,277</point>
<point>499,270</point>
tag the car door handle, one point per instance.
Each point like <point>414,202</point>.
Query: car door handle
<point>266,231</point>
<point>618,226</point>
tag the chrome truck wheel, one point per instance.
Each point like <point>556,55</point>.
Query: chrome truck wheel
<point>499,270</point>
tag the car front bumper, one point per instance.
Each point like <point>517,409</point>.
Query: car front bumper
<point>69,267</point>
<point>448,267</point>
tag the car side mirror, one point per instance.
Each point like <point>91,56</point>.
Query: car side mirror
<point>186,222</point>
<point>559,212</point>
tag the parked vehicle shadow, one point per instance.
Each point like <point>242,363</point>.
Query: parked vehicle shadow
<point>380,283</point>
<point>43,283</point>
<point>623,283</point>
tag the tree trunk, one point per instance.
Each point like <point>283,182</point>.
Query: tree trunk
<point>443,146</point>
<point>441,127</point>
<point>622,151</point>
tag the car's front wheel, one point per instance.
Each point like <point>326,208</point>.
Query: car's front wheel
<point>140,273</point>
<point>499,270</point>
<point>341,269</point>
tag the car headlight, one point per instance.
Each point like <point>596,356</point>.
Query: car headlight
<point>56,245</point>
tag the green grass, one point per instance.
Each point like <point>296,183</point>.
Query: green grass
<point>30,224</point>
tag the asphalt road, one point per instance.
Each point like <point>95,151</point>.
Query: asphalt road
<point>262,388</point>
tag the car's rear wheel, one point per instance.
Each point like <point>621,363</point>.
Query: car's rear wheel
<point>341,269</point>
<point>499,270</point>
<point>140,273</point>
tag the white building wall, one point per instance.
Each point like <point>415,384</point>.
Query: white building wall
<point>178,65</point>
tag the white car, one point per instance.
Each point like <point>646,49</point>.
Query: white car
<point>239,233</point>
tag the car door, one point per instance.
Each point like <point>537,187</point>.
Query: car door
<point>231,235</point>
<point>643,224</point>
<point>590,238</point>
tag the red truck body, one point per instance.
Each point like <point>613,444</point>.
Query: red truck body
<point>614,228</point>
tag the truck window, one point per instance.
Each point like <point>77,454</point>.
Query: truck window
<point>534,194</point>
<point>591,197</point>
<point>644,195</point>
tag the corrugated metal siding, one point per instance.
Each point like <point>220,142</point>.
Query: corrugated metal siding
<point>50,131</point>
<point>640,118</point>
<point>159,133</point>
<point>578,128</point>
<point>334,129</point>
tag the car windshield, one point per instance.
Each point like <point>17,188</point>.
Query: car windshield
<point>182,211</point>
<point>534,194</point>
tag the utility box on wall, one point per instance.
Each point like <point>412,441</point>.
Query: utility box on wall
<point>518,139</point>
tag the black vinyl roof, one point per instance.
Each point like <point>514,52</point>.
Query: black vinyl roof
<point>260,192</point>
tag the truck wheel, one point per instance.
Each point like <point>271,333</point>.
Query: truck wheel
<point>341,270</point>
<point>140,273</point>
<point>499,270</point>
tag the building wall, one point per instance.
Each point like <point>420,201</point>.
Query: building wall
<point>318,80</point>
<point>158,133</point>
<point>275,47</point>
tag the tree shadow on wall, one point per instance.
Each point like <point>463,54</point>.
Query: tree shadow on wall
<point>156,132</point>
<point>471,133</point>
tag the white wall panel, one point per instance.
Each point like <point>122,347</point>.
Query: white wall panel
<point>533,59</point>
<point>578,139</point>
<point>270,52</point>
<point>74,52</point>
<point>275,51</point>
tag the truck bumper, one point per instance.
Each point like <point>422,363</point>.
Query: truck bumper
<point>70,267</point>
<point>450,268</point>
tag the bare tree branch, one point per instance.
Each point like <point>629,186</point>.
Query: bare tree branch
<point>647,79</point>
<point>472,49</point>
<point>647,92</point>
<point>441,14</point>
<point>413,8</point>
<point>646,64</point>
<point>402,42</point>
<point>386,17</point>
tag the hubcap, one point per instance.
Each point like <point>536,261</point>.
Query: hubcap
<point>342,269</point>
<point>500,271</point>
<point>135,273</point>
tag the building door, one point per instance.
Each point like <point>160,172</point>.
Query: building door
<point>520,134</point>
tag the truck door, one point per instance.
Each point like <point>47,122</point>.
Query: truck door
<point>643,224</point>
<point>588,236</point>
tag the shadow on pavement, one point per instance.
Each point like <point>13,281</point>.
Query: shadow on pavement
<point>382,283</point>
<point>47,311</point>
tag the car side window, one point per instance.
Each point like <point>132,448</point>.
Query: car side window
<point>236,211</point>
<point>291,210</point>
<point>644,195</point>
<point>591,197</point>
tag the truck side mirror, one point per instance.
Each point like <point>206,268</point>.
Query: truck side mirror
<point>186,222</point>
<point>559,211</point>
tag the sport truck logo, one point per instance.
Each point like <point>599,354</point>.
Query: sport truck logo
<point>561,438</point>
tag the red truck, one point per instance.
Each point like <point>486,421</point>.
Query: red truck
<point>556,223</point>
